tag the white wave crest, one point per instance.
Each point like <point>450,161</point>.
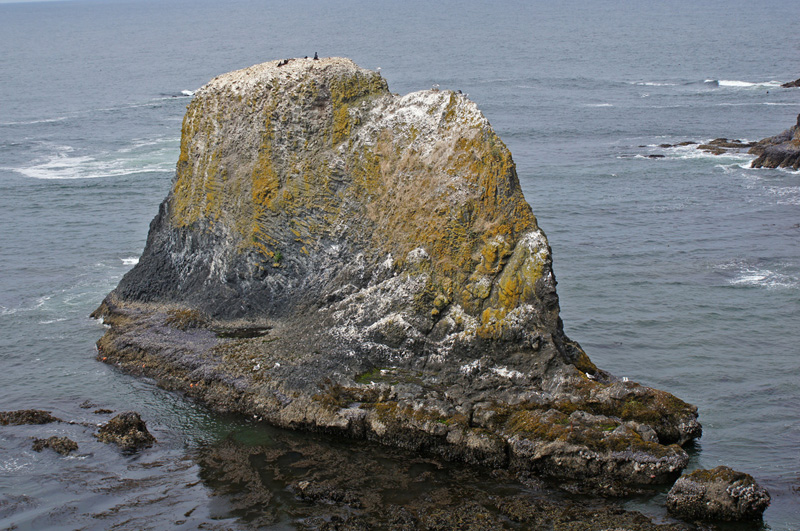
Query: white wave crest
<point>764,278</point>
<point>187,92</point>
<point>733,83</point>
<point>132,260</point>
<point>599,104</point>
<point>746,274</point>
<point>51,321</point>
<point>139,157</point>
<point>654,84</point>
<point>33,122</point>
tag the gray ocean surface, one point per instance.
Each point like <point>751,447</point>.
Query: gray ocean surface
<point>681,272</point>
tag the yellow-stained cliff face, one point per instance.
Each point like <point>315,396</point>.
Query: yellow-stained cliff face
<point>336,257</point>
<point>289,160</point>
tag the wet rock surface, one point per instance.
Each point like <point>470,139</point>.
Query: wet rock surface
<point>791,84</point>
<point>27,416</point>
<point>779,151</point>
<point>126,430</point>
<point>718,146</point>
<point>61,445</point>
<point>334,257</point>
<point>717,494</point>
<point>361,487</point>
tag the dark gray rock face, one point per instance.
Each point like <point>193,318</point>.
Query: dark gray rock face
<point>126,430</point>
<point>717,494</point>
<point>779,151</point>
<point>791,84</point>
<point>338,258</point>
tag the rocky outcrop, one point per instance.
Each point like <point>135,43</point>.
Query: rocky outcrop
<point>780,151</point>
<point>791,84</point>
<point>61,445</point>
<point>27,416</point>
<point>717,494</point>
<point>126,430</point>
<point>335,257</point>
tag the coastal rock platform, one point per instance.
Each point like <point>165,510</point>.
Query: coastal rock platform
<point>334,257</point>
<point>779,151</point>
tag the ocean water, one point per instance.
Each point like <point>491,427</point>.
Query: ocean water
<point>681,272</point>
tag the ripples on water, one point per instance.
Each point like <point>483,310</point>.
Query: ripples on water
<point>681,272</point>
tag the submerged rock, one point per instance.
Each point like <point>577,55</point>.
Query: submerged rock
<point>780,151</point>
<point>401,288</point>
<point>368,488</point>
<point>27,416</point>
<point>126,430</point>
<point>717,494</point>
<point>61,445</point>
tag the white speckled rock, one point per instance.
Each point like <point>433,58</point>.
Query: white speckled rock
<point>336,257</point>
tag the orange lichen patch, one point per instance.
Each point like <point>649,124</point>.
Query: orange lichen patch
<point>492,323</point>
<point>303,168</point>
<point>265,180</point>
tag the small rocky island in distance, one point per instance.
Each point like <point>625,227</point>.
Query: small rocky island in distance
<point>337,258</point>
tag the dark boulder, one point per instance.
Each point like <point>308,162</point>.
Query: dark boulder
<point>128,431</point>
<point>792,84</point>
<point>717,494</point>
<point>27,416</point>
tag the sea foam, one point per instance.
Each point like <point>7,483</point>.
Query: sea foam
<point>732,83</point>
<point>140,157</point>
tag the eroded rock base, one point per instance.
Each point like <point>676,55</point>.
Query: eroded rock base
<point>600,434</point>
<point>361,488</point>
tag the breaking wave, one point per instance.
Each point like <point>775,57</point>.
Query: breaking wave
<point>63,162</point>
<point>742,273</point>
<point>732,83</point>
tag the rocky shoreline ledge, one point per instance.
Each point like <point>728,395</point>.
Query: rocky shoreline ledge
<point>779,151</point>
<point>333,257</point>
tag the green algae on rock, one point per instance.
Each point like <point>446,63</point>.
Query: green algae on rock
<point>402,289</point>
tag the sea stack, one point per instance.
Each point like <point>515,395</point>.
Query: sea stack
<point>338,258</point>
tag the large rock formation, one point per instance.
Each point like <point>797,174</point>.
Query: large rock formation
<point>779,151</point>
<point>336,257</point>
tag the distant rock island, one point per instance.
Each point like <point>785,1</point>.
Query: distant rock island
<point>334,257</point>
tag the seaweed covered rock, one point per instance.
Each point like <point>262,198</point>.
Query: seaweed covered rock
<point>27,416</point>
<point>126,430</point>
<point>717,494</point>
<point>335,257</point>
<point>61,445</point>
<point>779,151</point>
